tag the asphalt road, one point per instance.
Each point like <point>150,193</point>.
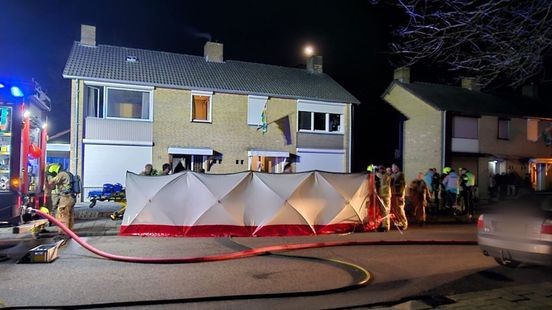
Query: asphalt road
<point>396,272</point>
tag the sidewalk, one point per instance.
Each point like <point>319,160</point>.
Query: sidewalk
<point>531,296</point>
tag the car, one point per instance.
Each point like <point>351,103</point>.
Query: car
<point>519,231</point>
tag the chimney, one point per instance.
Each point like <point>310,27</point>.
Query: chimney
<point>88,35</point>
<point>470,83</point>
<point>314,64</point>
<point>402,74</point>
<point>531,91</point>
<point>213,52</point>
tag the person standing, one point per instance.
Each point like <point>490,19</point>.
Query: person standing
<point>62,182</point>
<point>384,176</point>
<point>451,184</point>
<point>419,196</point>
<point>398,186</point>
<point>148,170</point>
<point>165,169</point>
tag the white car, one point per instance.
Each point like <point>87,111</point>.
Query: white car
<point>520,232</point>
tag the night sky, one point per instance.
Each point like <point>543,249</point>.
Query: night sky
<point>352,36</point>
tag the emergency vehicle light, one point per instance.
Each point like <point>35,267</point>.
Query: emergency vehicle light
<point>26,114</point>
<point>1,85</point>
<point>14,183</point>
<point>16,92</point>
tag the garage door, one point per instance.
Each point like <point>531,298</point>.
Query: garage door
<point>324,160</point>
<point>109,163</point>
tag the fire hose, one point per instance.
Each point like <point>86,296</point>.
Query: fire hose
<point>361,277</point>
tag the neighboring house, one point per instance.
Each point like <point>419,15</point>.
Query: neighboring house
<point>57,149</point>
<point>463,127</point>
<point>132,106</point>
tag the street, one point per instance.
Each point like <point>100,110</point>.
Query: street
<point>83,279</point>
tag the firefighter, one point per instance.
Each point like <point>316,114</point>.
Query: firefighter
<point>384,176</point>
<point>419,196</point>
<point>398,186</point>
<point>468,183</point>
<point>61,181</point>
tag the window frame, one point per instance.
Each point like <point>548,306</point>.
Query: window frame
<point>136,88</point>
<point>509,123</point>
<point>454,134</point>
<point>253,99</point>
<point>326,123</point>
<point>209,110</point>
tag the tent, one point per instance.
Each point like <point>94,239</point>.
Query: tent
<point>245,204</point>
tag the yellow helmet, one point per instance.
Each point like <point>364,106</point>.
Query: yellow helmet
<point>54,168</point>
<point>370,168</point>
<point>447,170</point>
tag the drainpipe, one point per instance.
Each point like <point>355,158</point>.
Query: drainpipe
<point>443,137</point>
<point>77,123</point>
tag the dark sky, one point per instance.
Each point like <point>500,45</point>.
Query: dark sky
<point>352,36</point>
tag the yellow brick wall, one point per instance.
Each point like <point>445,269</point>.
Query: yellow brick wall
<point>422,132</point>
<point>75,147</point>
<point>228,133</point>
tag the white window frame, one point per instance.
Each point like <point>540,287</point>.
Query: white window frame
<point>252,118</point>
<point>326,108</point>
<point>210,112</point>
<point>128,87</point>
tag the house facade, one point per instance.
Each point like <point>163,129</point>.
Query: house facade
<point>131,107</point>
<point>464,127</point>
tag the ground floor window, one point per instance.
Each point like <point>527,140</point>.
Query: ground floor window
<point>181,162</point>
<point>268,164</point>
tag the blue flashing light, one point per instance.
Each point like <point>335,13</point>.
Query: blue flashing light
<point>1,85</point>
<point>16,92</point>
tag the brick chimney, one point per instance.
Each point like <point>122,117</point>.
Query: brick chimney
<point>402,74</point>
<point>213,52</point>
<point>470,83</point>
<point>314,64</point>
<point>88,35</point>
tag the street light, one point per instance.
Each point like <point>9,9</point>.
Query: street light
<point>309,50</point>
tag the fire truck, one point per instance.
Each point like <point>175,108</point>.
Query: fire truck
<point>23,135</point>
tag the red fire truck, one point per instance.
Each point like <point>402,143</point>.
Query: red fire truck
<point>23,135</point>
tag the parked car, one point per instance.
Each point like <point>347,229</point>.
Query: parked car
<point>520,231</point>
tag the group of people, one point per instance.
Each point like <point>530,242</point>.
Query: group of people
<point>165,169</point>
<point>390,187</point>
<point>447,190</point>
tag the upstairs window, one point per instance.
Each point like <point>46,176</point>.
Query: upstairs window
<point>504,129</point>
<point>532,130</point>
<point>128,104</point>
<point>103,101</point>
<point>201,106</point>
<point>465,127</point>
<point>255,108</point>
<point>316,121</point>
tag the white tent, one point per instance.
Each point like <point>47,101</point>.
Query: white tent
<point>244,204</point>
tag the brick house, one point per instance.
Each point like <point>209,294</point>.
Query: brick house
<point>464,127</point>
<point>132,106</point>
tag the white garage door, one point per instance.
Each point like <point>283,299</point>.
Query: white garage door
<point>324,160</point>
<point>109,163</point>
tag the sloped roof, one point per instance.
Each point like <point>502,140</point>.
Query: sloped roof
<point>155,68</point>
<point>461,100</point>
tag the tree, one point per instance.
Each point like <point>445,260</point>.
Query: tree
<point>498,42</point>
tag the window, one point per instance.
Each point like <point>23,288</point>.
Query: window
<point>201,107</point>
<point>465,127</point>
<point>127,104</point>
<point>255,107</point>
<point>533,130</point>
<point>335,123</point>
<point>114,102</point>
<point>316,121</point>
<point>504,129</point>
<point>319,121</point>
<point>305,120</point>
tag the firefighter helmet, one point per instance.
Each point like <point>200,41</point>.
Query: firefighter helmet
<point>53,169</point>
<point>370,168</point>
<point>447,170</point>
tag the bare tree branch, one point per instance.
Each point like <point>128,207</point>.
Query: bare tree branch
<point>499,42</point>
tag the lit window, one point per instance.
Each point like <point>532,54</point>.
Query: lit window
<point>128,104</point>
<point>201,108</point>
<point>532,130</point>
<point>504,129</point>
